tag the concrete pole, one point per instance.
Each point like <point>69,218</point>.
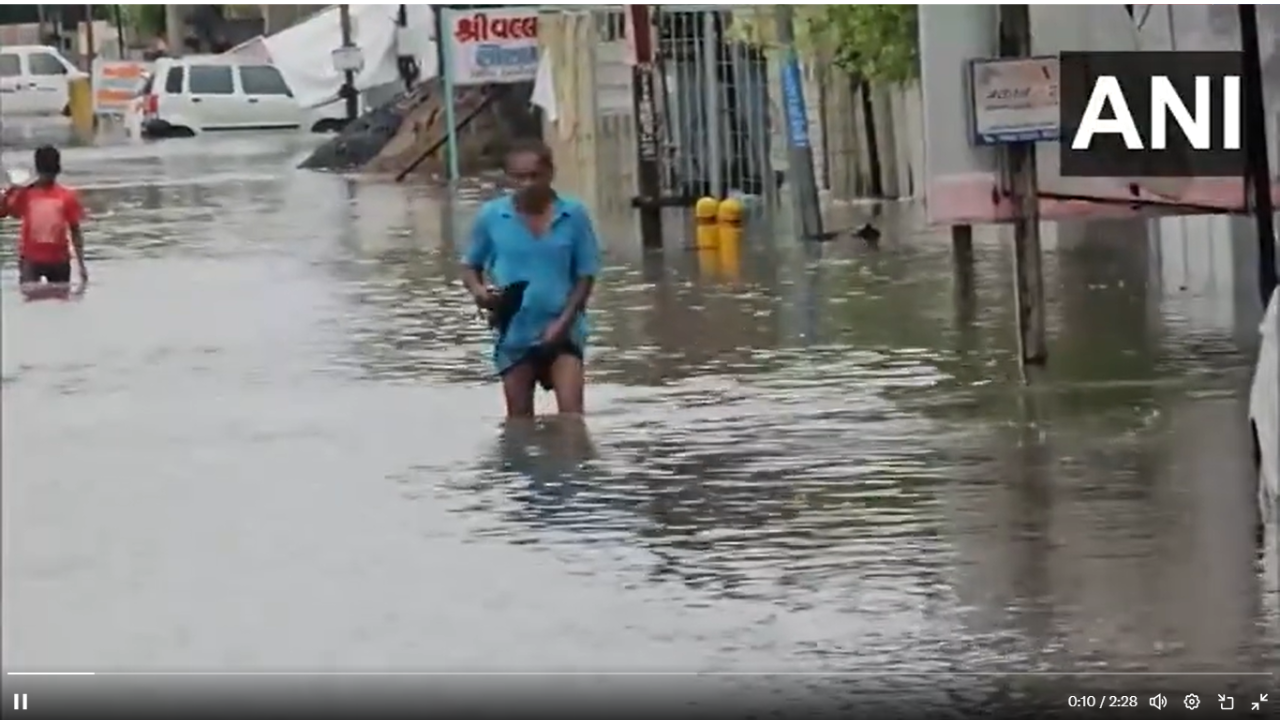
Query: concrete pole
<point>1015,41</point>
<point>711,97</point>
<point>804,184</point>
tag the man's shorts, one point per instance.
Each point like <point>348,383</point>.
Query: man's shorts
<point>543,357</point>
<point>34,272</point>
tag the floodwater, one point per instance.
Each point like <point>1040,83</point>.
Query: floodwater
<point>266,438</point>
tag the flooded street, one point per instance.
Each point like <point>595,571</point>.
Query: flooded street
<point>267,439</point>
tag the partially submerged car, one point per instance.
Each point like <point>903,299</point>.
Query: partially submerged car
<point>208,93</point>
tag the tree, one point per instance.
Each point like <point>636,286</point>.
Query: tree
<point>144,20</point>
<point>878,43</point>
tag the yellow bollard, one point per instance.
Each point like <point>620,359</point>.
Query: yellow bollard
<point>81,103</point>
<point>729,224</point>
<point>707,235</point>
<point>708,262</point>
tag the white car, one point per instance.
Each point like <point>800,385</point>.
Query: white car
<point>1264,420</point>
<point>204,93</point>
<point>34,80</point>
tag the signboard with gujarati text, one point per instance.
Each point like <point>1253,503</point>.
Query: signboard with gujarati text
<point>498,45</point>
<point>116,84</point>
<point>1014,100</point>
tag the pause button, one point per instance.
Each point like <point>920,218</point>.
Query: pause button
<point>19,701</point>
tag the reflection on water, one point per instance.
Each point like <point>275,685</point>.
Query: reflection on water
<point>268,438</point>
<point>543,465</point>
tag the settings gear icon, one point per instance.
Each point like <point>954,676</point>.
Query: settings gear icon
<point>1191,701</point>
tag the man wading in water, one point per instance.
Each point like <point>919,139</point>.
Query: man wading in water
<point>540,253</point>
<point>51,214</point>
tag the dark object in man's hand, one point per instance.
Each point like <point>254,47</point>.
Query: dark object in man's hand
<point>510,298</point>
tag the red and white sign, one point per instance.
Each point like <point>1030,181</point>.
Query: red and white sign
<point>116,83</point>
<point>492,46</point>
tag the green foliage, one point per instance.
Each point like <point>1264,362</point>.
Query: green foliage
<point>875,42</point>
<point>145,20</point>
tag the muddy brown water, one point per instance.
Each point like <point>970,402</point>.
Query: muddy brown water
<point>267,439</point>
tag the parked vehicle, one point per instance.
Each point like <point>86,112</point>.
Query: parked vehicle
<point>205,93</point>
<point>35,80</point>
<point>1264,417</point>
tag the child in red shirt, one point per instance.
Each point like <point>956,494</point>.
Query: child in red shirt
<point>51,215</point>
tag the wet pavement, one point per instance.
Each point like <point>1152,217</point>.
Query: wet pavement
<point>266,439</point>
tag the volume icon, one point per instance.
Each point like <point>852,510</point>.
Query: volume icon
<point>1158,702</point>
<point>19,701</point>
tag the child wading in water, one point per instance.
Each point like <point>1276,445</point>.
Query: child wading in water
<point>51,214</point>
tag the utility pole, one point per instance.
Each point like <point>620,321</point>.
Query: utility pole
<point>90,48</point>
<point>1257,165</point>
<point>119,20</point>
<point>804,184</point>
<point>406,63</point>
<point>644,102</point>
<point>1020,166</point>
<point>348,74</point>
<point>174,36</point>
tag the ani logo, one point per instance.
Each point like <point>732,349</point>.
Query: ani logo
<point>1152,114</point>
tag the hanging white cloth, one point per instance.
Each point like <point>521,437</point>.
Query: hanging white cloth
<point>544,89</point>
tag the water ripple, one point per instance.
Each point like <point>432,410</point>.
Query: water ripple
<point>269,438</point>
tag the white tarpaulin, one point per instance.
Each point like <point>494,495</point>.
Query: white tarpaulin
<point>421,39</point>
<point>251,50</point>
<point>304,52</point>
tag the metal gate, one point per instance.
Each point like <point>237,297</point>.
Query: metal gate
<point>712,113</point>
<point>715,108</point>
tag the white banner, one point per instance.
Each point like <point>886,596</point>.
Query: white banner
<point>492,46</point>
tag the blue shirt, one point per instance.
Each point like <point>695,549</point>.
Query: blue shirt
<point>503,246</point>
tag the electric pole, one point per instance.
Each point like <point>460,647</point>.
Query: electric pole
<point>349,72</point>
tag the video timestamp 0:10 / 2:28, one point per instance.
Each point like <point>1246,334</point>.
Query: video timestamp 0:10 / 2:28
<point>1102,701</point>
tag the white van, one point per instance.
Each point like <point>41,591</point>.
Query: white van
<point>34,80</point>
<point>203,93</point>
